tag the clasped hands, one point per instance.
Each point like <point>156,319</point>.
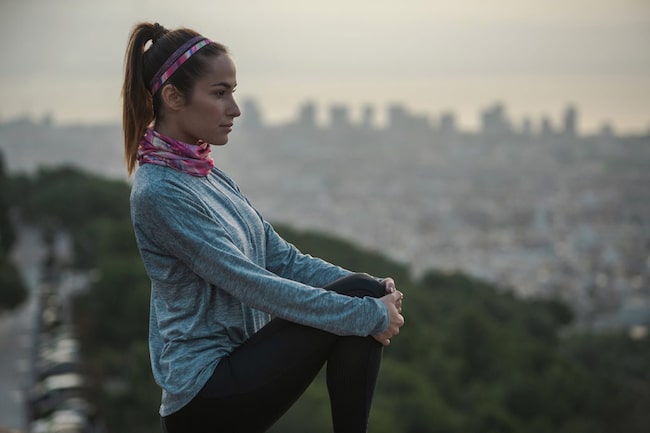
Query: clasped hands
<point>393,301</point>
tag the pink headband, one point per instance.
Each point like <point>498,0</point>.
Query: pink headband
<point>176,60</point>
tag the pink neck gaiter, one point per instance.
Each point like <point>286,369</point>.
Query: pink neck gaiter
<point>159,149</point>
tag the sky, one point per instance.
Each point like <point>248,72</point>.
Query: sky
<point>65,57</point>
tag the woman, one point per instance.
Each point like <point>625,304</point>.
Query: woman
<point>219,271</point>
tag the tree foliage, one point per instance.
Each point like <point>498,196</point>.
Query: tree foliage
<point>472,357</point>
<point>7,233</point>
<point>12,288</point>
<point>66,198</point>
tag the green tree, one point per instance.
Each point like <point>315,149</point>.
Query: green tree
<point>7,233</point>
<point>12,288</point>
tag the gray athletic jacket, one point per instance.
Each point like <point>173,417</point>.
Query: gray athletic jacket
<point>218,272</point>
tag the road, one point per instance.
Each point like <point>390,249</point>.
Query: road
<point>16,336</point>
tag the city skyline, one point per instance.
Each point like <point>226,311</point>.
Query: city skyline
<point>434,56</point>
<point>370,117</point>
<point>493,119</point>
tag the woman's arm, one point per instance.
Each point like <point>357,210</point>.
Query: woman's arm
<point>180,228</point>
<point>284,259</point>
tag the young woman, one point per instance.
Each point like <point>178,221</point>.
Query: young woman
<point>219,271</point>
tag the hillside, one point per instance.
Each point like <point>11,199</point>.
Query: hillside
<point>472,357</point>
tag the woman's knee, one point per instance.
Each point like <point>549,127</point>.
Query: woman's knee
<point>358,284</point>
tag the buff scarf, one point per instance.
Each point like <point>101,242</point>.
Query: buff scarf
<point>159,149</point>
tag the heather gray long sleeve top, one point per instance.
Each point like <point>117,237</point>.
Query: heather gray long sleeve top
<point>218,272</point>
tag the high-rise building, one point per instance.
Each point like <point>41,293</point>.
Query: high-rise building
<point>526,127</point>
<point>448,124</point>
<point>307,115</point>
<point>339,117</point>
<point>368,117</point>
<point>397,117</point>
<point>546,130</point>
<point>570,120</point>
<point>494,121</point>
<point>251,115</point>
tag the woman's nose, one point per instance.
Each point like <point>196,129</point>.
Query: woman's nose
<point>234,109</point>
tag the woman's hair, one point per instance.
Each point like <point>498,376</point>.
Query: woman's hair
<point>139,107</point>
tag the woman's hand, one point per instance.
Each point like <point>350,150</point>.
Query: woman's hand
<point>393,302</point>
<point>389,284</point>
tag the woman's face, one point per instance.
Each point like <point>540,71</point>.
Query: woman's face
<point>209,114</point>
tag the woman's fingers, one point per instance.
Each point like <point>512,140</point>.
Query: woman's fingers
<point>393,302</point>
<point>389,284</point>
<point>398,302</point>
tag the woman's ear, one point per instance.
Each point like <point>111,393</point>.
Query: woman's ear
<point>172,98</point>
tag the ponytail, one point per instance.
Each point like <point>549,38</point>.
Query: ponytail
<point>137,105</point>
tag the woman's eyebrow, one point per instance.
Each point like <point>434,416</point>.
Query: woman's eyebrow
<point>224,84</point>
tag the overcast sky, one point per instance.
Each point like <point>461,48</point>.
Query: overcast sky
<point>536,56</point>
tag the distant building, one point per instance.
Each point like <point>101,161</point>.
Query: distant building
<point>397,117</point>
<point>400,120</point>
<point>546,130</point>
<point>48,119</point>
<point>307,115</point>
<point>494,122</point>
<point>368,117</point>
<point>251,115</point>
<point>448,126</point>
<point>527,127</point>
<point>570,121</point>
<point>339,117</point>
<point>606,131</point>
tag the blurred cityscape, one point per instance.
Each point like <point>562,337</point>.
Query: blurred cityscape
<point>534,205</point>
<point>43,385</point>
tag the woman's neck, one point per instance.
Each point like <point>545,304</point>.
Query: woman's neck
<point>172,131</point>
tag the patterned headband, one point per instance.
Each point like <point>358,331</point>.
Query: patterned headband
<point>176,60</point>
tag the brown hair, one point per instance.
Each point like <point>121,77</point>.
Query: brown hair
<point>139,107</point>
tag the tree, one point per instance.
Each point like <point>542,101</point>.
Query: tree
<point>12,289</point>
<point>7,233</point>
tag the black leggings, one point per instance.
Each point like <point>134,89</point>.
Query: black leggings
<point>260,380</point>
